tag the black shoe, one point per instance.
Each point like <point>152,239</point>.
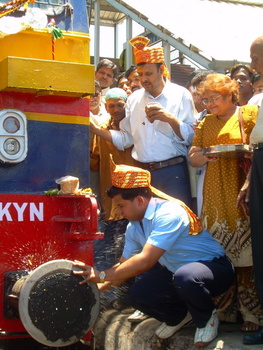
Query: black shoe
<point>255,338</point>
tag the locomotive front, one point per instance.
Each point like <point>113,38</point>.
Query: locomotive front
<point>45,78</point>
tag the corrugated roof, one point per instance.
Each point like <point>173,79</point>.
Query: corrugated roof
<point>108,14</point>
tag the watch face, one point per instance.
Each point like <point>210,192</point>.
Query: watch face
<point>102,275</point>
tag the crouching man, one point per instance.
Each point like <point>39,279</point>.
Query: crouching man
<point>190,267</point>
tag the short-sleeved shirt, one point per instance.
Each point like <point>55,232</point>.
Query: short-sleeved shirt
<point>166,226</point>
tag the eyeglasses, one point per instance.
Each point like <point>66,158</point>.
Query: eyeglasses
<point>95,95</point>
<point>207,101</point>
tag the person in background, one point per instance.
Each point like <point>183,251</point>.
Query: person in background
<point>193,87</point>
<point>106,73</point>
<point>202,111</point>
<point>242,73</point>
<point>99,115</point>
<point>190,266</point>
<point>123,83</point>
<point>195,79</point>
<point>257,84</point>
<point>133,78</point>
<point>224,178</point>
<point>108,251</point>
<point>158,124</point>
<point>97,107</point>
<point>253,188</point>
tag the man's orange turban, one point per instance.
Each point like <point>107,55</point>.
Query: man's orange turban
<point>125,176</point>
<point>144,54</point>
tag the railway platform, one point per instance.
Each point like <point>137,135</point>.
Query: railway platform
<point>113,331</point>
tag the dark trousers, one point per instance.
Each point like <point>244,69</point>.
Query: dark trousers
<point>256,218</point>
<point>167,296</point>
<point>173,180</point>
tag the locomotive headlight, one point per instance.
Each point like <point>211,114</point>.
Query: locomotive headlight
<point>13,136</point>
<point>11,125</point>
<point>11,146</point>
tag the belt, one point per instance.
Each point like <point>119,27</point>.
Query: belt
<point>162,164</point>
<point>257,145</point>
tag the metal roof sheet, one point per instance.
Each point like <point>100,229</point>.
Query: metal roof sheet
<point>109,15</point>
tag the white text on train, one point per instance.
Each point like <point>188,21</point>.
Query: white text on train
<point>20,212</point>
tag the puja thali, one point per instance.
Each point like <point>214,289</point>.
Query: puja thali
<point>227,151</point>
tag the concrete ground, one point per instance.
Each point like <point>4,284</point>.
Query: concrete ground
<point>112,331</point>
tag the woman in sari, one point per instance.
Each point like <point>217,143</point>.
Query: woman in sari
<point>223,180</point>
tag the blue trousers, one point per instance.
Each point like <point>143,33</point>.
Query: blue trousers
<point>167,296</point>
<point>173,180</point>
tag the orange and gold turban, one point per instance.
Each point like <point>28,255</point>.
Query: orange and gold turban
<point>144,54</point>
<point>125,176</point>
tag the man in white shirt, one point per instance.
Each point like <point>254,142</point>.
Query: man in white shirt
<point>255,186</point>
<point>158,124</point>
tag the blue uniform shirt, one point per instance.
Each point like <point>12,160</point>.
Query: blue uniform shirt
<point>166,226</point>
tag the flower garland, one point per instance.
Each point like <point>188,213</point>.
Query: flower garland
<point>12,6</point>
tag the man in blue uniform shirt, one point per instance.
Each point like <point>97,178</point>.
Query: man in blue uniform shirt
<point>183,266</point>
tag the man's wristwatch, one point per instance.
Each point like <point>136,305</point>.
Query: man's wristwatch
<point>102,276</point>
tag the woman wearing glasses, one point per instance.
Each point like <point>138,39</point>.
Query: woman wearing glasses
<point>223,180</point>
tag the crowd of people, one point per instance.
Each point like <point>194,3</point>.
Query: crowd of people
<point>205,257</point>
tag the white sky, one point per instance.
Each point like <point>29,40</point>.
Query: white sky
<point>107,39</point>
<point>223,31</point>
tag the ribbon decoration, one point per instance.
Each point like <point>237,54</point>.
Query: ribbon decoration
<point>56,33</point>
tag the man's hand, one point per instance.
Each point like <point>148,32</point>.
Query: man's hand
<point>91,273</point>
<point>155,111</point>
<point>97,130</point>
<point>105,286</point>
<point>94,123</point>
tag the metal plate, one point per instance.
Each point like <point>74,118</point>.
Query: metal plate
<point>54,308</point>
<point>227,151</point>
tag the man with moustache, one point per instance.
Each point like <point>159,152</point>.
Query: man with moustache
<point>133,78</point>
<point>158,123</point>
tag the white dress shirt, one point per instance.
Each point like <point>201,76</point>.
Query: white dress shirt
<point>256,100</point>
<point>156,141</point>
